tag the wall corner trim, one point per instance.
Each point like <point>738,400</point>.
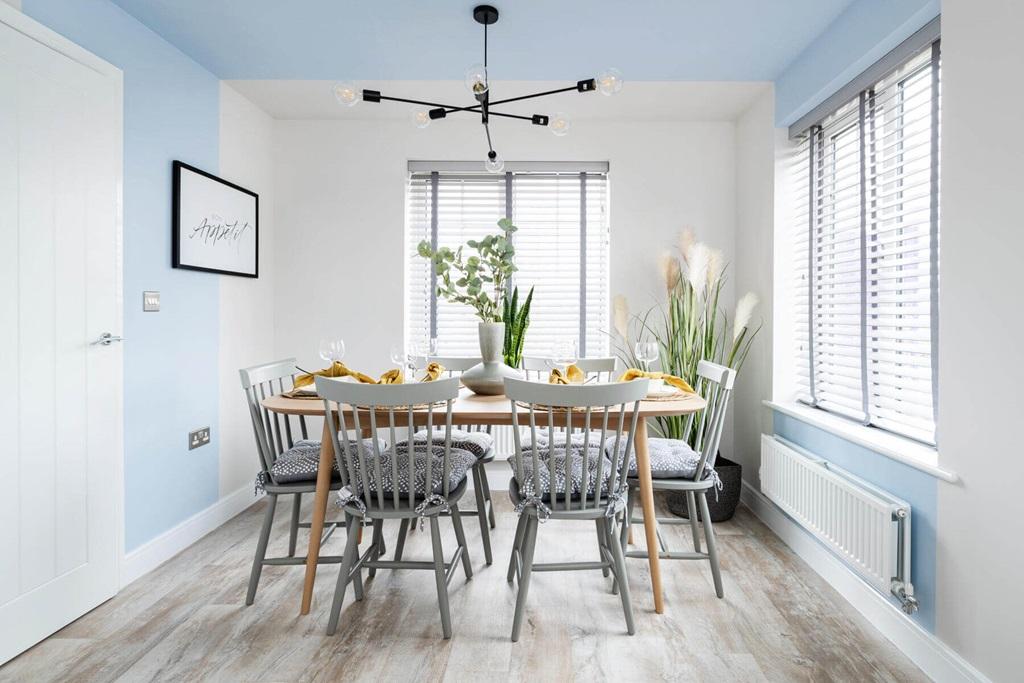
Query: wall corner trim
<point>924,649</point>
<point>155,552</point>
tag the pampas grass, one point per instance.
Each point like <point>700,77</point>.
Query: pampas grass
<point>690,326</point>
<point>669,266</point>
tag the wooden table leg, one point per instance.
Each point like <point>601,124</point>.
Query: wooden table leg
<point>316,529</point>
<point>643,466</point>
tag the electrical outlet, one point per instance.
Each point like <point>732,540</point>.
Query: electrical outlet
<point>198,437</point>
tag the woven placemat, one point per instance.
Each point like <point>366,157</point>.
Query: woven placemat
<point>678,396</point>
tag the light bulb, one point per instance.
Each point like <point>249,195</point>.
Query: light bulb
<point>420,117</point>
<point>609,82</point>
<point>559,124</point>
<point>476,79</point>
<point>494,163</point>
<point>346,93</point>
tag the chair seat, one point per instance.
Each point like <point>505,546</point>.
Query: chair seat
<point>460,461</point>
<point>670,459</point>
<point>300,464</point>
<point>480,444</point>
<point>568,471</point>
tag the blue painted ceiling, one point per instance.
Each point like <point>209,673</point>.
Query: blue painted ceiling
<point>651,40</point>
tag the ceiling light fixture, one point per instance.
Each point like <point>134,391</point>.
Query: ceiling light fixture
<point>478,83</point>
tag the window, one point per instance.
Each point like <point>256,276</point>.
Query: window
<point>561,249</point>
<point>866,252</point>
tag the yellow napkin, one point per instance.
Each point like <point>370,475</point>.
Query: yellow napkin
<point>678,383</point>
<point>339,369</point>
<point>432,372</point>
<point>572,375</point>
<point>392,376</point>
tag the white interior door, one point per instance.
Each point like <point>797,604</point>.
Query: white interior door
<point>60,289</point>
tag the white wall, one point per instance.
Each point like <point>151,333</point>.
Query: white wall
<point>246,305</point>
<point>755,205</point>
<point>981,602</point>
<point>340,189</point>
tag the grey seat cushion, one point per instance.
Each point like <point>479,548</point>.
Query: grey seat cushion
<point>568,471</point>
<point>670,459</point>
<point>577,439</point>
<point>300,463</point>
<point>479,444</point>
<point>460,460</point>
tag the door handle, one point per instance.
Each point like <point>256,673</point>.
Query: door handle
<point>106,339</point>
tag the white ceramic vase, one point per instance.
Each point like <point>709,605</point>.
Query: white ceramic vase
<point>488,377</point>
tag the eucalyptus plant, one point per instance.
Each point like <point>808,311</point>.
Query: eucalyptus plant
<point>690,326</point>
<point>479,279</point>
<point>516,319</point>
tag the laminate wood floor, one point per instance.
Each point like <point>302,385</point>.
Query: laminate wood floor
<point>186,620</point>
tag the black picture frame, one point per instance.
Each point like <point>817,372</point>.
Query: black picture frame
<point>176,227</point>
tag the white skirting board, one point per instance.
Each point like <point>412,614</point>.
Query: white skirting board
<point>152,554</point>
<point>925,650</point>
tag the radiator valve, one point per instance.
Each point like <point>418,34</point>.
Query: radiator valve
<point>904,592</point>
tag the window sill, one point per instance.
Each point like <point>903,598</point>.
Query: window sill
<point>906,451</point>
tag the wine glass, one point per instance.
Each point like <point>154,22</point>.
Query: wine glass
<point>332,349</point>
<point>564,352</point>
<point>646,353</point>
<point>338,349</point>
<point>325,350</point>
<point>399,357</point>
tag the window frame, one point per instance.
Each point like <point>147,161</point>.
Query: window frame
<point>584,170</point>
<point>818,139</point>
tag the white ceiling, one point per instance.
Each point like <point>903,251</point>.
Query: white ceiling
<point>638,101</point>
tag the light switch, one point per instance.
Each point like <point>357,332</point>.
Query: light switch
<point>151,302</point>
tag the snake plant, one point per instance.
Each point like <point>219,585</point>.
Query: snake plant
<point>516,320</point>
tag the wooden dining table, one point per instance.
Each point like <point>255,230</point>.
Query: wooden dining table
<point>474,409</point>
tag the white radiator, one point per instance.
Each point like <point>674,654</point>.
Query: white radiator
<point>504,441</point>
<point>866,527</point>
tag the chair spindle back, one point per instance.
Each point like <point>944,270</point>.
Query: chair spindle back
<point>275,433</point>
<point>387,407</point>
<point>612,407</point>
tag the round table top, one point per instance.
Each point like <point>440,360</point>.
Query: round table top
<point>470,408</point>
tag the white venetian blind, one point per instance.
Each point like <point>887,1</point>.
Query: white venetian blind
<point>866,253</point>
<point>561,250</point>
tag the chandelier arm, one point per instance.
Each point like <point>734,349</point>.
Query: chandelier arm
<point>487,129</point>
<point>509,116</point>
<point>447,107</point>
<point>540,94</point>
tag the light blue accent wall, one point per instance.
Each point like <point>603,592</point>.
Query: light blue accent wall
<point>910,484</point>
<point>858,38</point>
<point>171,111</point>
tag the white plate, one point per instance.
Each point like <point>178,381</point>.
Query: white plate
<point>659,389</point>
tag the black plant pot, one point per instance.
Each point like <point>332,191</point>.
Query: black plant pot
<point>731,474</point>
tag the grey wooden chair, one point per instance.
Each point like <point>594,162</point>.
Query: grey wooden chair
<point>483,446</point>
<point>576,482</point>
<point>288,463</point>
<point>405,483</point>
<point>677,467</point>
<point>603,369</point>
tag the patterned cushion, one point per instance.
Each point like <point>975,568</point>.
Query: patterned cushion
<point>479,444</point>
<point>526,439</point>
<point>574,465</point>
<point>460,460</point>
<point>300,463</point>
<point>670,459</point>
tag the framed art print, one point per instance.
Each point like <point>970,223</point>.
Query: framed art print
<point>215,224</point>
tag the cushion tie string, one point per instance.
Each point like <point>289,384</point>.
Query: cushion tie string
<point>543,511</point>
<point>434,500</point>
<point>346,496</point>
<point>616,504</point>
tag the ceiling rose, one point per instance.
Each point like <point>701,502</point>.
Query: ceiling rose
<point>478,83</point>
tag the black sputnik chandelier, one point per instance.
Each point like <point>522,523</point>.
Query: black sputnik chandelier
<point>477,82</point>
